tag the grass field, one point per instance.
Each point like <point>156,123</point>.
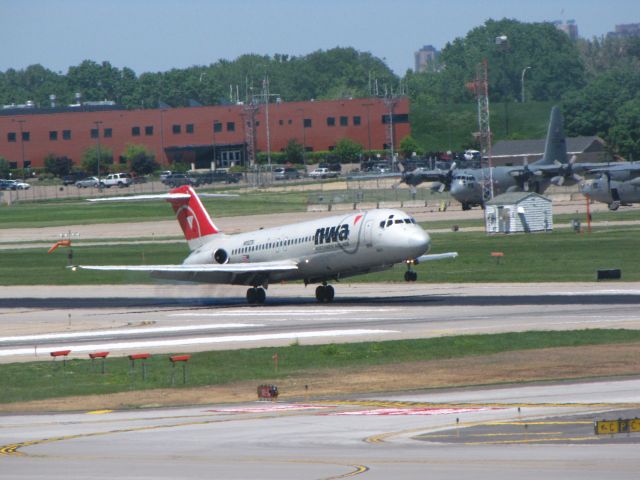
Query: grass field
<point>559,256</point>
<point>21,382</point>
<point>59,213</point>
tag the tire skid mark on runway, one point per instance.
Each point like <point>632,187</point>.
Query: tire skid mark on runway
<point>358,470</point>
<point>124,345</point>
<point>13,449</point>
<point>397,404</point>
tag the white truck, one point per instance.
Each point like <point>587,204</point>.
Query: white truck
<point>116,180</point>
<point>323,173</point>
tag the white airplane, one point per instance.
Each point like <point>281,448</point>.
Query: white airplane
<point>315,251</point>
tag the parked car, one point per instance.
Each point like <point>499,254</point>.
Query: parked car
<point>87,182</point>
<point>215,176</point>
<point>178,179</point>
<point>20,185</point>
<point>116,180</point>
<point>164,174</point>
<point>73,177</point>
<point>285,173</point>
<point>323,173</point>
<point>7,185</point>
<point>333,166</point>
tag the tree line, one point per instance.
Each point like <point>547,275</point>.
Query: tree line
<point>595,80</point>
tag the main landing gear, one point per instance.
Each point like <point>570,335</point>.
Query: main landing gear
<point>325,293</point>
<point>256,296</point>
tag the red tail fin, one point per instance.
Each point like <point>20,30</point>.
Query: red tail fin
<point>192,216</point>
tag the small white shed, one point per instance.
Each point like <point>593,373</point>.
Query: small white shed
<point>515,212</point>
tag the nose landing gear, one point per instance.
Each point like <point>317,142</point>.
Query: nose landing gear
<point>410,275</point>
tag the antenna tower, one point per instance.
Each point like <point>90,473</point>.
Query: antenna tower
<point>481,89</point>
<point>249,116</point>
<point>390,102</point>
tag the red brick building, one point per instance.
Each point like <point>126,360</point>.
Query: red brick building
<point>28,134</point>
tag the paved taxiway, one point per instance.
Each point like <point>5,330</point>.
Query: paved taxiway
<point>170,318</point>
<point>453,434</point>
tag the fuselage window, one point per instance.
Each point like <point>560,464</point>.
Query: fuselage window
<point>399,220</point>
<point>389,223</point>
<point>382,224</point>
<point>406,220</point>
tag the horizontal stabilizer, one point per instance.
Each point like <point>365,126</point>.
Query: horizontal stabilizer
<point>436,256</point>
<point>198,268</point>
<point>159,196</point>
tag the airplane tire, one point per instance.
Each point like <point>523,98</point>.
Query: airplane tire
<point>325,293</point>
<point>410,276</point>
<point>251,296</point>
<point>329,293</point>
<point>256,296</point>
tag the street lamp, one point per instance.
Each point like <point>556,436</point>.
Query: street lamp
<point>524,70</point>
<point>21,122</point>
<point>215,124</point>
<point>502,42</point>
<point>97,124</point>
<point>304,138</point>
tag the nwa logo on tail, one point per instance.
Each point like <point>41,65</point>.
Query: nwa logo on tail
<point>338,233</point>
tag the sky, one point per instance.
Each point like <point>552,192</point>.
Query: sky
<point>158,35</point>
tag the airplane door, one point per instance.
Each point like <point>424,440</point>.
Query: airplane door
<point>368,234</point>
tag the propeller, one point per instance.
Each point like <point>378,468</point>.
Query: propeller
<point>525,175</point>
<point>566,173</point>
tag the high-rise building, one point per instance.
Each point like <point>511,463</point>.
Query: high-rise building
<point>626,30</point>
<point>570,27</point>
<point>426,59</point>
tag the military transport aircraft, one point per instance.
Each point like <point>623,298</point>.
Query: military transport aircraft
<point>469,186</point>
<point>615,185</point>
<point>315,251</point>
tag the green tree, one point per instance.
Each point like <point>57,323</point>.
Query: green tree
<point>625,134</point>
<point>556,66</point>
<point>58,166</point>
<point>348,151</point>
<point>4,168</point>
<point>90,160</point>
<point>593,110</point>
<point>294,151</point>
<point>140,160</point>
<point>409,146</point>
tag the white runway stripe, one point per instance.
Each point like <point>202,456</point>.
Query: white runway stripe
<point>279,313</point>
<point>191,341</point>
<point>125,332</point>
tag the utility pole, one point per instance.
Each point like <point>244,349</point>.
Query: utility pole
<point>98,123</point>
<point>20,123</point>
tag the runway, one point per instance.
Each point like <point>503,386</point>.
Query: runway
<point>492,433</point>
<point>162,318</point>
<point>526,432</point>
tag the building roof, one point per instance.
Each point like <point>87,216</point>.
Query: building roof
<point>511,198</point>
<point>533,148</point>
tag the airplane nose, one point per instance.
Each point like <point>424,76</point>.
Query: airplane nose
<point>419,241</point>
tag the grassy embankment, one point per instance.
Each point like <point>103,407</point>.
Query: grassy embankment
<point>21,382</point>
<point>559,256</point>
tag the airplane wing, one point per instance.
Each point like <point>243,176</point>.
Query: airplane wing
<point>436,256</point>
<point>618,167</point>
<point>232,273</point>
